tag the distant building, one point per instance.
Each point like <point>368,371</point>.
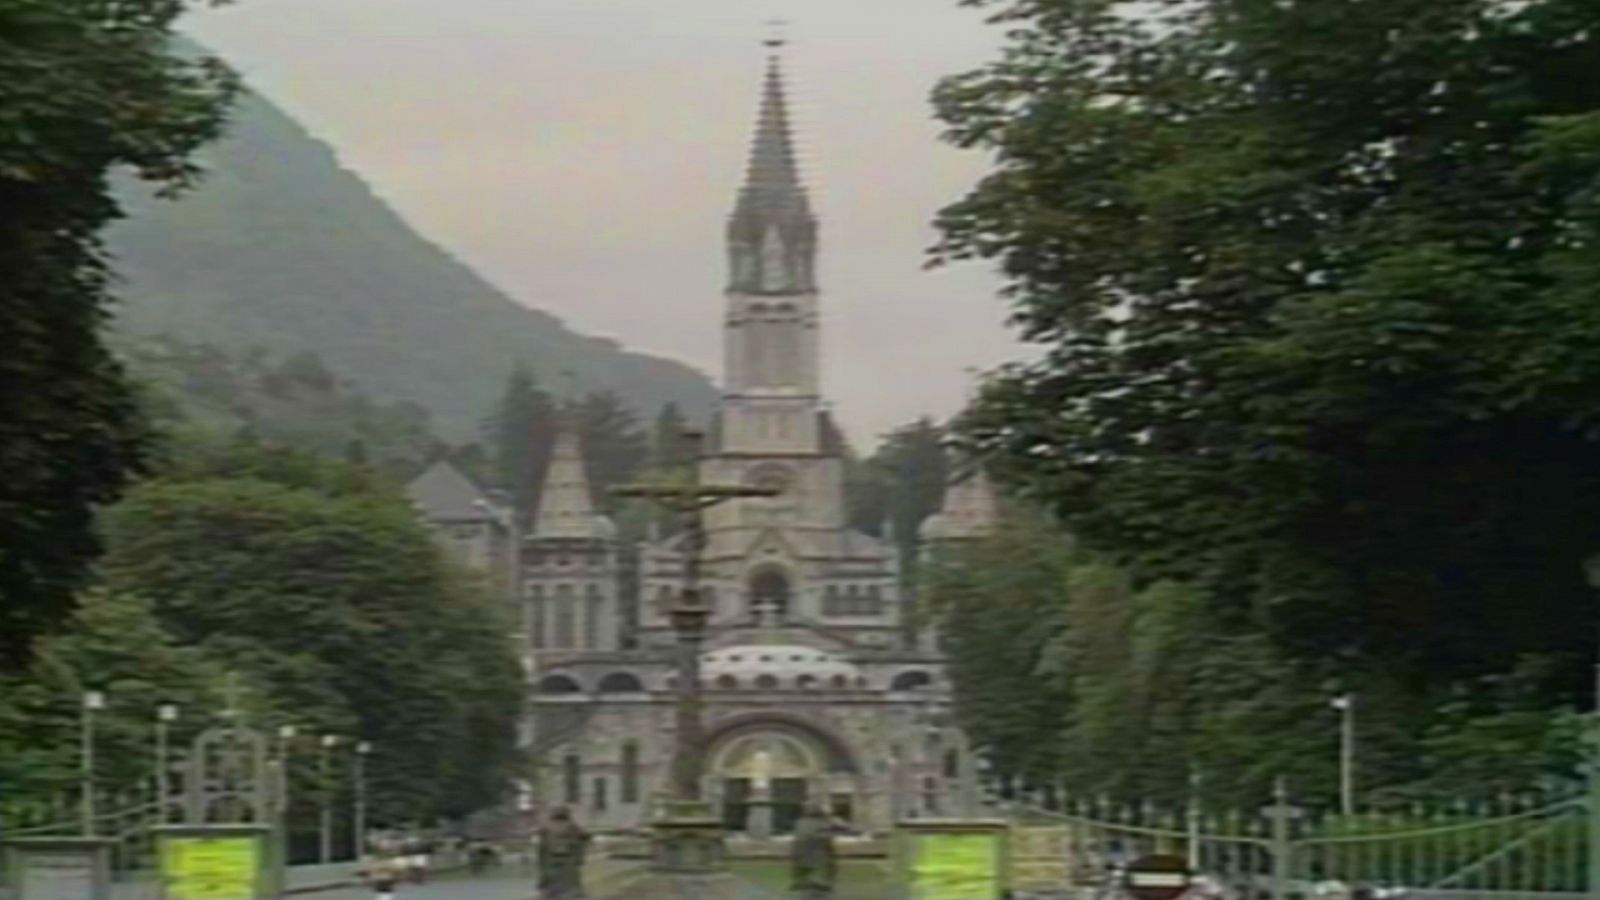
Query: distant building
<point>809,671</point>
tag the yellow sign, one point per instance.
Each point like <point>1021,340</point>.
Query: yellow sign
<point>956,867</point>
<point>1040,858</point>
<point>211,868</point>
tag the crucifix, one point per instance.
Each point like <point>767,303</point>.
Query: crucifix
<point>689,613</point>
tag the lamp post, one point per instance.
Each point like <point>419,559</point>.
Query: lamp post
<point>363,749</point>
<point>325,815</point>
<point>166,714</point>
<point>93,702</point>
<point>286,736</point>
<point>1346,705</point>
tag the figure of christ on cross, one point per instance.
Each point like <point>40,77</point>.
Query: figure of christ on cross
<point>689,614</point>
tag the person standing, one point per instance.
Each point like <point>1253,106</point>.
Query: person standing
<point>813,865</point>
<point>563,845</point>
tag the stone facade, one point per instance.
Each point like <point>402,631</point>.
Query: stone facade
<point>815,689</point>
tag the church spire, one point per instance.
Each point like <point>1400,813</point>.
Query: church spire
<point>771,234</point>
<point>566,508</point>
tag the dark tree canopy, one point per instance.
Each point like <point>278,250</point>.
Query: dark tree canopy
<point>519,433</point>
<point>1321,298</point>
<point>316,580</point>
<point>86,88</point>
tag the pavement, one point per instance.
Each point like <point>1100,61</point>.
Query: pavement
<point>509,882</point>
<point>605,880</point>
<point>646,885</point>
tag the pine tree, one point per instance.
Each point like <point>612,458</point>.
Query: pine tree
<point>614,446</point>
<point>520,434</point>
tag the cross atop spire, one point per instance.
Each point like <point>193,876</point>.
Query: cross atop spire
<point>772,235</point>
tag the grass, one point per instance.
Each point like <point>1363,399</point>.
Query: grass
<point>859,879</point>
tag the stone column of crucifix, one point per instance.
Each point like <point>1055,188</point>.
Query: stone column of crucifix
<point>689,614</point>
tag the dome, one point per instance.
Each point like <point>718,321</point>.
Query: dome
<point>786,662</point>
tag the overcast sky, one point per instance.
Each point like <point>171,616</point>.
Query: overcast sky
<point>583,155</point>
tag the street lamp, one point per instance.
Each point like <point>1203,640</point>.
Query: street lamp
<point>286,736</point>
<point>1346,705</point>
<point>325,816</point>
<point>93,702</point>
<point>363,749</point>
<point>166,714</point>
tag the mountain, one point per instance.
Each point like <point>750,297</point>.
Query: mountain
<point>282,250</point>
<point>190,390</point>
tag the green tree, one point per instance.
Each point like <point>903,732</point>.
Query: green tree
<point>115,645</point>
<point>1323,345</point>
<point>192,390</point>
<point>998,605</point>
<point>519,435</point>
<point>615,447</point>
<point>324,587</point>
<point>87,88</point>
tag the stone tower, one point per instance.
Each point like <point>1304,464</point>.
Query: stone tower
<point>790,561</point>
<point>569,562</point>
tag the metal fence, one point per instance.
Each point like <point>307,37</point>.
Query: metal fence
<point>1508,850</point>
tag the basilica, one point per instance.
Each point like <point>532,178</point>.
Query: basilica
<point>816,680</point>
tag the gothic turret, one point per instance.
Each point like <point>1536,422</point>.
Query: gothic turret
<point>569,562</point>
<point>566,507</point>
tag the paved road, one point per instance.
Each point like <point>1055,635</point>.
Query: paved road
<point>505,884</point>
<point>631,883</point>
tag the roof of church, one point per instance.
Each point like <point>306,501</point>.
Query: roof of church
<point>445,494</point>
<point>772,184</point>
<point>566,506</point>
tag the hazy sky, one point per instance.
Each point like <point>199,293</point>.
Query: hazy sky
<point>583,155</point>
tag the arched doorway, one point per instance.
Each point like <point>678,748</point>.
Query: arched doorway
<point>786,761</point>
<point>769,594</point>
<point>765,768</point>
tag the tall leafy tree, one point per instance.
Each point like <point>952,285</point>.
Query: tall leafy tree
<point>1323,342</point>
<point>114,644</point>
<point>87,88</point>
<point>998,606</point>
<point>320,583</point>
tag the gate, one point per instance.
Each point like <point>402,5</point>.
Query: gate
<point>1513,849</point>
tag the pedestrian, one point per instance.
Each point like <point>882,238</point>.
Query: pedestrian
<point>813,866</point>
<point>417,863</point>
<point>382,873</point>
<point>563,845</point>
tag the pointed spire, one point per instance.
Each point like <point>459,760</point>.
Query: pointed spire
<point>970,509</point>
<point>566,507</point>
<point>772,235</point>
<point>773,176</point>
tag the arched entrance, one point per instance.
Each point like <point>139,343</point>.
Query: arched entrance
<point>769,594</point>
<point>769,767</point>
<point>765,767</point>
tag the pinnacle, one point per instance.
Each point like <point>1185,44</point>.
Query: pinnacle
<point>772,180</point>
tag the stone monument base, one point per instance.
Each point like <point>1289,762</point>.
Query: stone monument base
<point>687,839</point>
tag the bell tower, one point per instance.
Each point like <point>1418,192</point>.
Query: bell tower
<point>771,346</point>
